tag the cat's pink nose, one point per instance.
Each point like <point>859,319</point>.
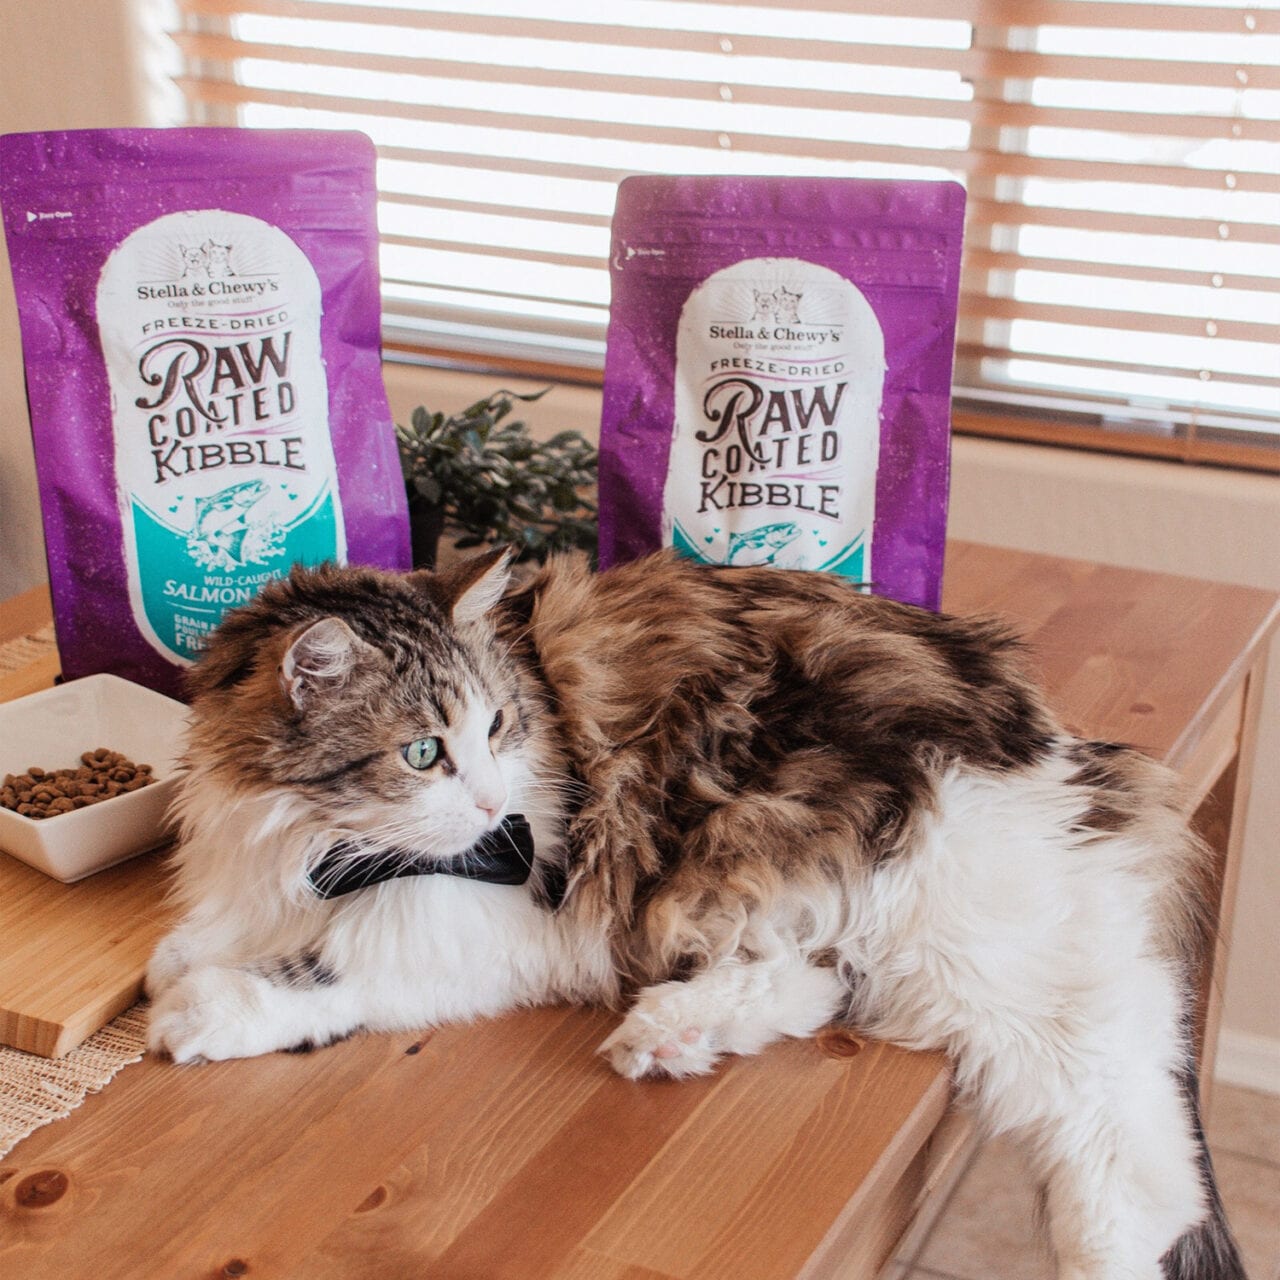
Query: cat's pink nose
<point>488,795</point>
<point>490,805</point>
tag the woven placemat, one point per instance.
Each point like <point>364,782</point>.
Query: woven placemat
<point>22,651</point>
<point>34,1090</point>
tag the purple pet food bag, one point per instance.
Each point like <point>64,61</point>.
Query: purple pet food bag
<point>201,328</point>
<point>778,379</point>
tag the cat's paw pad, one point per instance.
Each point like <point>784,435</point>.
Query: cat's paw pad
<point>210,1014</point>
<point>648,1046</point>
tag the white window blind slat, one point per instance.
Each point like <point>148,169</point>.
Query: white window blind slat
<point>986,260</point>
<point>1146,58</point>
<point>617,146</point>
<point>416,78</point>
<point>1121,157</point>
<point>1136,210</point>
<point>476,131</point>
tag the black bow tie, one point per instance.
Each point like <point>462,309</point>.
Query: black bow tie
<point>503,856</point>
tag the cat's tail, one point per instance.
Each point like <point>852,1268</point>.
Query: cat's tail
<point>1207,1251</point>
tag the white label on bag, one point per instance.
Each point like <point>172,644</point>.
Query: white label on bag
<point>779,379</point>
<point>210,328</point>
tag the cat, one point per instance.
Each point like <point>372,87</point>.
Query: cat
<point>786,306</point>
<point>758,800</point>
<point>779,306</point>
<point>219,257</point>
<point>195,260</point>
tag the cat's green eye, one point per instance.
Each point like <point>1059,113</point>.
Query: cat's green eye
<point>421,753</point>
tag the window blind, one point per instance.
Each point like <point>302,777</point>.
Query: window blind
<point>1121,158</point>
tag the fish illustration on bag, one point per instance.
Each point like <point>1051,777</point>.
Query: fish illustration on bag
<point>220,526</point>
<point>762,543</point>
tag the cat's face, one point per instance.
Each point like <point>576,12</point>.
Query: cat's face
<point>219,257</point>
<point>394,719</point>
<point>193,259</point>
<point>436,758</point>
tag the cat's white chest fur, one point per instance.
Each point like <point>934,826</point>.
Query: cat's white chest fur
<point>444,949</point>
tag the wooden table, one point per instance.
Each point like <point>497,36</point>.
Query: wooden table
<point>507,1149</point>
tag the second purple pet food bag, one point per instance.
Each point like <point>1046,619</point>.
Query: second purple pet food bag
<point>778,377</point>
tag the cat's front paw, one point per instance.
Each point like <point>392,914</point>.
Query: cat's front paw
<point>212,1013</point>
<point>650,1042</point>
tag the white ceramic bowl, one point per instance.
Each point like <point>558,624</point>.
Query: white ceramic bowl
<point>50,729</point>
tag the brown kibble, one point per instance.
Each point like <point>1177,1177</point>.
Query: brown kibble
<point>41,793</point>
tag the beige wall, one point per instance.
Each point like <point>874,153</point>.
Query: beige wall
<point>64,64</point>
<point>71,63</point>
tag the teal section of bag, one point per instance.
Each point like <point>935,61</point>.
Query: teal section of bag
<point>850,562</point>
<point>680,541</point>
<point>188,578</point>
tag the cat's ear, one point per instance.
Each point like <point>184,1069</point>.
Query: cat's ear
<point>469,590</point>
<point>320,656</point>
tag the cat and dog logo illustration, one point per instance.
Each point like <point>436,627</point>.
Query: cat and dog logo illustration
<point>207,261</point>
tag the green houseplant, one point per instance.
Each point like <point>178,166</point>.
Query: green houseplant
<point>490,481</point>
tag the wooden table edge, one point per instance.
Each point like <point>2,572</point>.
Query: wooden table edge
<point>1250,659</point>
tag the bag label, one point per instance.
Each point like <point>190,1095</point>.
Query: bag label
<point>779,378</point>
<point>210,329</point>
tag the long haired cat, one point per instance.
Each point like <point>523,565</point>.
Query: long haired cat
<point>758,801</point>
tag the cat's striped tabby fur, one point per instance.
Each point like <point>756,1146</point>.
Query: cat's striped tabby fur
<point>761,801</point>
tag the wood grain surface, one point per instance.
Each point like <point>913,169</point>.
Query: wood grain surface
<point>21,617</point>
<point>1126,655</point>
<point>72,956</point>
<point>508,1149</point>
